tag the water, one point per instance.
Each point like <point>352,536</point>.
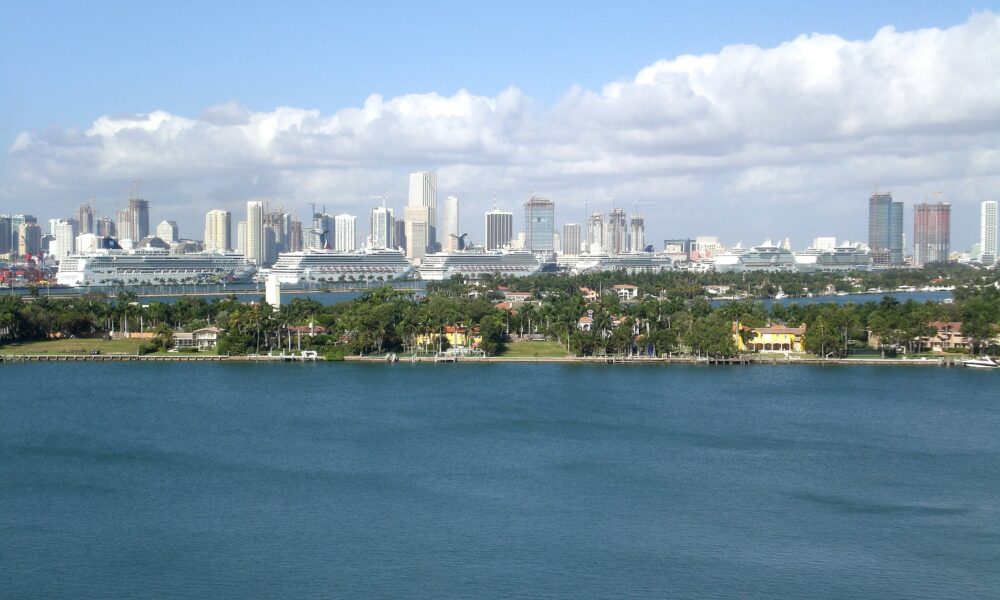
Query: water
<point>921,297</point>
<point>498,481</point>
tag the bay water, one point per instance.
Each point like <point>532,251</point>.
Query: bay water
<point>498,481</point>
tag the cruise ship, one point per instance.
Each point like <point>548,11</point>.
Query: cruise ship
<point>476,263</point>
<point>151,267</point>
<point>327,266</point>
<point>766,257</point>
<point>632,263</point>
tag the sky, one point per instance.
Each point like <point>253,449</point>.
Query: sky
<point>742,120</point>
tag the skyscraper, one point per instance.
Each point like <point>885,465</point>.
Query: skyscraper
<point>85,218</point>
<point>29,239</point>
<point>988,232</point>
<point>571,239</point>
<point>423,192</point>
<point>595,233</point>
<point>449,224</point>
<point>65,232</point>
<point>638,222</point>
<point>254,249</point>
<point>931,233</point>
<point>417,231</point>
<point>499,229</point>
<point>218,230</point>
<point>167,231</point>
<point>347,233</point>
<point>139,214</point>
<point>539,224</point>
<point>106,227</point>
<point>617,230</point>
<point>241,238</point>
<point>6,234</point>
<point>382,227</point>
<point>885,230</point>
<point>295,239</point>
<point>126,225</point>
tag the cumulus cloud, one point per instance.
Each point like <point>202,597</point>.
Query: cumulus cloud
<point>747,142</point>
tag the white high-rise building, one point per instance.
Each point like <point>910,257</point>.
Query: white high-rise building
<point>499,229</point>
<point>637,239</point>
<point>417,231</point>
<point>595,233</point>
<point>64,231</point>
<point>423,192</point>
<point>382,224</point>
<point>571,239</point>
<point>241,238</point>
<point>167,231</point>
<point>988,232</point>
<point>346,239</point>
<point>218,230</point>
<point>255,249</point>
<point>449,225</point>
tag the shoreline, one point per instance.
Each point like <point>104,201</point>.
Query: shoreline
<point>744,360</point>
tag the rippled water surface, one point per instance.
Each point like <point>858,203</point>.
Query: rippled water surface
<point>507,480</point>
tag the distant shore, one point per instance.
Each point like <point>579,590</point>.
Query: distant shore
<point>679,360</point>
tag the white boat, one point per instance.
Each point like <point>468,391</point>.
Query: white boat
<point>151,267</point>
<point>474,264</point>
<point>981,363</point>
<point>327,266</point>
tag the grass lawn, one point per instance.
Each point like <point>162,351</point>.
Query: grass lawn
<point>527,349</point>
<point>73,346</point>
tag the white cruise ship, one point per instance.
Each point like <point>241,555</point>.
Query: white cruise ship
<point>474,264</point>
<point>632,263</point>
<point>326,266</point>
<point>151,267</point>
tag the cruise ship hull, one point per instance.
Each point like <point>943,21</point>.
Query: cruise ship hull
<point>323,266</point>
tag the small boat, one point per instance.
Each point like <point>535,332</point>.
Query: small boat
<point>981,363</point>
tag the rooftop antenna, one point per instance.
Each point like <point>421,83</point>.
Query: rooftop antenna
<point>494,200</point>
<point>137,183</point>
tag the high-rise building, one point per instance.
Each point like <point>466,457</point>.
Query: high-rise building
<point>417,231</point>
<point>539,224</point>
<point>241,238</point>
<point>85,218</point>
<point>280,223</point>
<point>988,232</point>
<point>399,234</point>
<point>106,227</point>
<point>885,230</point>
<point>295,239</point>
<point>139,214</point>
<point>15,226</point>
<point>931,233</point>
<point>126,226</point>
<point>167,231</point>
<point>347,233</point>
<point>449,225</point>
<point>595,233</point>
<point>571,239</point>
<point>423,192</point>
<point>499,229</point>
<point>29,238</point>
<point>218,231</point>
<point>6,235</point>
<point>638,222</point>
<point>65,232</point>
<point>382,227</point>
<point>616,232</point>
<point>254,249</point>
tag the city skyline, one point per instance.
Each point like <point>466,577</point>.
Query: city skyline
<point>819,120</point>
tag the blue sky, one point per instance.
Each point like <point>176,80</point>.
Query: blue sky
<point>65,64</point>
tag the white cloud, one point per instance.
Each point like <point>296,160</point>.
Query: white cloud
<point>711,143</point>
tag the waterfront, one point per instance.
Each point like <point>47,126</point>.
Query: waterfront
<point>498,480</point>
